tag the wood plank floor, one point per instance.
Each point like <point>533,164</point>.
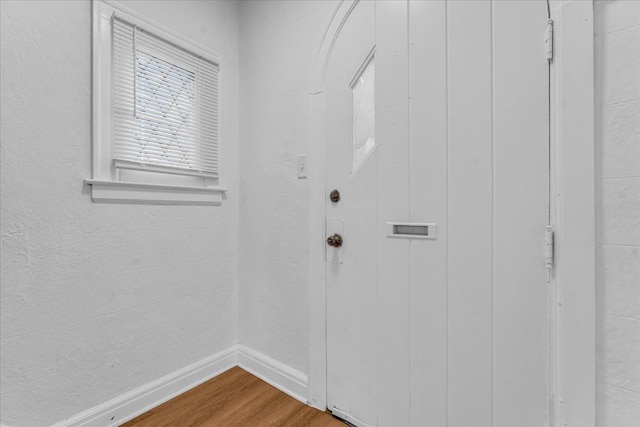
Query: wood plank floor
<point>234,398</point>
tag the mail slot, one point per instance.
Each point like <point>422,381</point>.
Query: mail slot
<point>412,230</point>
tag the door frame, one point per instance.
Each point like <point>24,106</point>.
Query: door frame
<point>573,214</point>
<point>317,206</point>
<point>572,149</point>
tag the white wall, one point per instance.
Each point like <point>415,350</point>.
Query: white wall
<point>279,43</point>
<point>618,211</point>
<point>98,299</point>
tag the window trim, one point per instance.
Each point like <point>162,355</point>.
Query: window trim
<point>105,183</point>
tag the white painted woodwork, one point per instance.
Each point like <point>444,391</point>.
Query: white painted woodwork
<point>520,214</point>
<point>132,403</point>
<point>274,372</point>
<point>112,160</point>
<point>451,331</point>
<point>352,373</point>
<point>428,165</point>
<point>574,206</point>
<point>392,117</point>
<point>140,193</point>
<point>470,244</point>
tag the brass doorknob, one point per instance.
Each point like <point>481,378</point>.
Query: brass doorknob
<point>335,241</point>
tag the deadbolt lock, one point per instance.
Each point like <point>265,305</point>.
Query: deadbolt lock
<point>335,240</point>
<point>335,196</point>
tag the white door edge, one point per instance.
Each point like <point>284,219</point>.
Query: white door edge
<point>316,214</point>
<point>573,214</point>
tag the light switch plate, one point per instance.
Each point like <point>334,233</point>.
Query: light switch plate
<point>302,166</point>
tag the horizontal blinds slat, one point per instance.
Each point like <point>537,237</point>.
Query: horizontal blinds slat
<point>149,63</point>
<point>166,160</point>
<point>128,73</point>
<point>146,39</point>
<point>152,117</point>
<point>163,160</point>
<point>209,72</point>
<point>171,115</point>
<point>156,75</point>
<point>212,168</point>
<point>184,62</point>
<point>128,164</point>
<point>165,104</point>
<point>126,68</point>
<point>207,105</point>
<point>199,136</point>
<point>159,145</point>
<point>154,146</point>
<point>209,87</point>
<point>147,53</point>
<point>164,142</point>
<point>206,143</point>
<point>138,165</point>
<point>153,114</point>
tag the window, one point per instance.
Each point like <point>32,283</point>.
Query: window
<point>364,117</point>
<point>155,113</point>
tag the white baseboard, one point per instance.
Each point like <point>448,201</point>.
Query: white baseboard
<point>279,375</point>
<point>136,402</point>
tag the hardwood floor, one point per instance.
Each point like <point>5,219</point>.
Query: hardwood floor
<point>234,398</point>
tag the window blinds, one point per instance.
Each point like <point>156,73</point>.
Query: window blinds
<point>165,105</point>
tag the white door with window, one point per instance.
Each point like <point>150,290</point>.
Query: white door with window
<point>437,113</point>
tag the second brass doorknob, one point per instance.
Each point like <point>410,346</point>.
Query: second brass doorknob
<point>335,240</point>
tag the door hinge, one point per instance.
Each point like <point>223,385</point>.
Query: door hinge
<point>548,247</point>
<point>548,40</point>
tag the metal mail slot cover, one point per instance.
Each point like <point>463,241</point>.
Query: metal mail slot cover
<point>410,230</point>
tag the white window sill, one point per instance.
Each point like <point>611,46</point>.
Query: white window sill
<point>153,194</point>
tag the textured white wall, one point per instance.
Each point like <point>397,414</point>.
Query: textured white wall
<point>618,211</point>
<point>98,299</point>
<point>279,43</point>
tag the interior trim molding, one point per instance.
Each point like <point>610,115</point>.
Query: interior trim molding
<point>143,193</point>
<point>283,377</point>
<point>337,20</point>
<point>572,379</point>
<point>136,402</point>
<point>140,400</point>
<point>316,274</point>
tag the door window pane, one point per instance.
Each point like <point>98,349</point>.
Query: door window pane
<point>364,120</point>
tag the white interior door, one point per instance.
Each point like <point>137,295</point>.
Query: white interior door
<point>437,112</point>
